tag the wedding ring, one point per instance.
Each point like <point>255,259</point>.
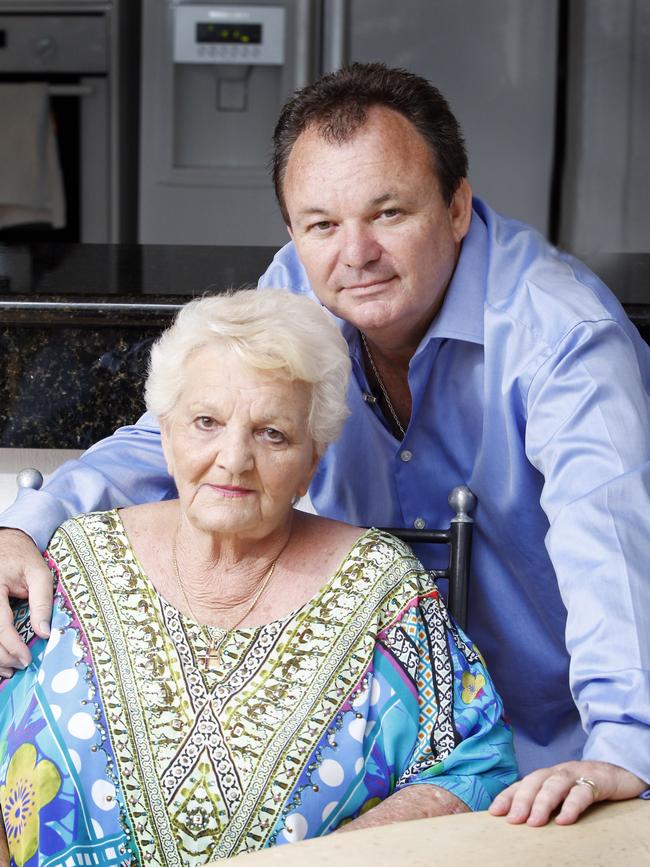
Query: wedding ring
<point>583,781</point>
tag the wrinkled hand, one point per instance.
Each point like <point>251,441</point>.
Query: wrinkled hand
<point>533,799</point>
<point>23,574</point>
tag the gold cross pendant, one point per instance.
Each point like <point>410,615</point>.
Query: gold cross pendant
<point>212,659</point>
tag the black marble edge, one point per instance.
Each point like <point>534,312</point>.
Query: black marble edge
<point>66,311</point>
<point>52,310</point>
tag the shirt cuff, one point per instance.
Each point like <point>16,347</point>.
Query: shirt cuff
<point>36,513</point>
<point>626,745</point>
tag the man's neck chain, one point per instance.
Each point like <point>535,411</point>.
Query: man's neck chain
<point>383,388</point>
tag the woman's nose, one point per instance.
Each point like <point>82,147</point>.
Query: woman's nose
<point>235,453</point>
<point>360,247</point>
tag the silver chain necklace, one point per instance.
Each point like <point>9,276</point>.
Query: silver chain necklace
<point>381,385</point>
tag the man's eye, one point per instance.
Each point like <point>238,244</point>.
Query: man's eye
<point>390,212</point>
<point>205,422</point>
<point>272,435</point>
<point>321,226</point>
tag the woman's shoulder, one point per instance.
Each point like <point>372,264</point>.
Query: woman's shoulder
<point>85,538</point>
<point>327,530</point>
<point>149,518</point>
<point>87,524</point>
<point>385,576</point>
<point>92,528</point>
<point>343,540</point>
<point>384,552</point>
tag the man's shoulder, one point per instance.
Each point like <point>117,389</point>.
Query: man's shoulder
<point>286,272</point>
<point>539,288</point>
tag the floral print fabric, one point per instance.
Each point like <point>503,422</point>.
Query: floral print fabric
<point>30,786</point>
<point>116,747</point>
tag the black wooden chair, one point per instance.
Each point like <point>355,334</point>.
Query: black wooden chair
<point>458,536</point>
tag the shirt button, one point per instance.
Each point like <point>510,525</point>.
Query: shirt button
<point>419,523</point>
<point>406,455</point>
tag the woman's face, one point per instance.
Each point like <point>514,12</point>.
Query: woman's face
<point>237,445</point>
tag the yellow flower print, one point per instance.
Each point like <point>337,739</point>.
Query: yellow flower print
<point>472,685</point>
<point>480,655</point>
<point>30,785</point>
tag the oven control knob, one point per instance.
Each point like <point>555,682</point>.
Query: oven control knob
<point>45,48</point>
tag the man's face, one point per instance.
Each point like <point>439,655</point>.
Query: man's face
<point>372,229</point>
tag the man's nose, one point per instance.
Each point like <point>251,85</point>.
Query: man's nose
<point>360,247</point>
<point>235,453</point>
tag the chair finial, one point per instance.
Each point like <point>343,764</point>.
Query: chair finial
<point>29,478</point>
<point>462,501</point>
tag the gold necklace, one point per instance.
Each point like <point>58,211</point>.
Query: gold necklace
<point>383,388</point>
<point>211,660</point>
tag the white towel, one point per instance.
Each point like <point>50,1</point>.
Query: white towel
<point>31,186</point>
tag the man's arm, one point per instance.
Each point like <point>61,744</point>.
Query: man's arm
<point>122,470</point>
<point>588,433</point>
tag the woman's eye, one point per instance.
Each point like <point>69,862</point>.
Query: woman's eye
<point>205,422</point>
<point>272,435</point>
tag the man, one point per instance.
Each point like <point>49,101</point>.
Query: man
<point>480,355</point>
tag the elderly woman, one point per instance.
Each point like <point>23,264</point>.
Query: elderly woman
<point>226,673</point>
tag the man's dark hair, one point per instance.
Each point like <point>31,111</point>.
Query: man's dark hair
<point>338,103</point>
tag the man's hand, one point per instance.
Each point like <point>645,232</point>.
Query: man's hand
<point>23,574</point>
<point>533,799</point>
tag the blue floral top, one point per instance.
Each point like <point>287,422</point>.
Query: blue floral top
<point>118,746</point>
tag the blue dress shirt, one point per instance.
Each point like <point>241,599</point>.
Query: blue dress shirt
<point>532,387</point>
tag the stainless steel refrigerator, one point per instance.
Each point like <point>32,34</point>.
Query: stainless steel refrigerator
<point>530,81</point>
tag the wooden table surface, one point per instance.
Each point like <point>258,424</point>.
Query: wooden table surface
<point>609,835</point>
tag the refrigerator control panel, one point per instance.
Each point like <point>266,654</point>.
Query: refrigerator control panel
<point>229,34</point>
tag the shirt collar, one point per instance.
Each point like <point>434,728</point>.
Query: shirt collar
<point>461,314</point>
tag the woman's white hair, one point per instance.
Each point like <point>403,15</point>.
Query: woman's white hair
<point>289,335</point>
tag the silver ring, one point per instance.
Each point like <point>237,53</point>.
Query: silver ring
<point>583,781</point>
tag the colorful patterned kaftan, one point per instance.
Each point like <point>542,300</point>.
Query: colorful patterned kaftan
<point>116,747</point>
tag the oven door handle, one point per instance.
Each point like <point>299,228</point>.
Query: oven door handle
<point>71,90</point>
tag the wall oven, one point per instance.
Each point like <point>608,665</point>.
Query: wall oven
<point>85,53</point>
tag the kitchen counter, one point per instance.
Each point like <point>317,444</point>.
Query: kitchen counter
<point>77,323</point>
